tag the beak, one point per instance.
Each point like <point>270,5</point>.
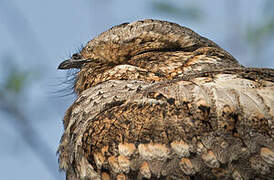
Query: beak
<point>72,63</point>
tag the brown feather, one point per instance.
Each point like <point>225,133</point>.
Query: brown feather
<point>156,100</point>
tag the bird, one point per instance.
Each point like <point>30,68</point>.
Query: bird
<point>155,100</point>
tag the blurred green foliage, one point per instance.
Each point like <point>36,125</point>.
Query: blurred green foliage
<point>262,32</point>
<point>16,80</point>
<point>190,12</point>
<point>259,33</point>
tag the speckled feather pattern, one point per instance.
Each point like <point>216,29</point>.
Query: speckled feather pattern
<point>158,101</point>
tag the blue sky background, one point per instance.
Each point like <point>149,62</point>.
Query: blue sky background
<point>36,36</point>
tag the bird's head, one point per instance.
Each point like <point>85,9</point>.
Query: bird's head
<point>148,50</point>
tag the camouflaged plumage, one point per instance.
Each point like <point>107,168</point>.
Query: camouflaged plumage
<point>156,100</point>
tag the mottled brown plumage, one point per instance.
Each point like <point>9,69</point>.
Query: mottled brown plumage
<point>156,100</point>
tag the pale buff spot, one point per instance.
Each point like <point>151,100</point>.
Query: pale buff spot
<point>187,166</point>
<point>124,163</point>
<point>144,152</point>
<point>210,159</point>
<point>153,151</point>
<point>145,171</point>
<point>200,148</point>
<point>126,149</point>
<point>112,160</point>
<point>121,177</point>
<point>159,151</point>
<point>180,148</point>
<point>267,155</point>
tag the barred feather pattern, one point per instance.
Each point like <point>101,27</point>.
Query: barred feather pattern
<point>204,117</point>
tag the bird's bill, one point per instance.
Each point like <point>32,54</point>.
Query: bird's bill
<point>72,63</point>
